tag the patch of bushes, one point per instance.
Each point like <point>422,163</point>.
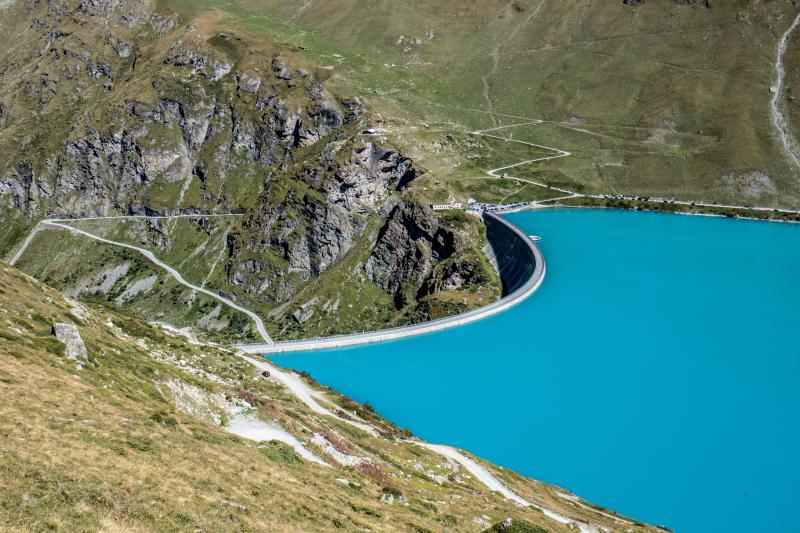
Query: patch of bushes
<point>394,491</point>
<point>448,520</point>
<point>40,319</point>
<point>372,471</point>
<point>310,380</point>
<point>10,336</point>
<point>337,443</point>
<point>517,526</point>
<point>164,418</point>
<point>51,345</point>
<point>252,398</point>
<point>281,453</point>
<point>142,444</point>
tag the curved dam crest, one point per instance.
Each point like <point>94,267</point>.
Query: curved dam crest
<point>519,262</point>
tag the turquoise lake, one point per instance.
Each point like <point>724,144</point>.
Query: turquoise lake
<point>656,372</point>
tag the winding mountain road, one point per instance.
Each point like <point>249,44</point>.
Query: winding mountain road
<point>557,153</point>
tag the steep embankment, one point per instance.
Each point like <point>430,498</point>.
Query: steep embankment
<point>517,258</point>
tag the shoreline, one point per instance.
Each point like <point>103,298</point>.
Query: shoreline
<point>520,293</point>
<point>534,207</point>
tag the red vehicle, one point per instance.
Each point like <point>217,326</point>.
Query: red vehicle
<point>265,373</point>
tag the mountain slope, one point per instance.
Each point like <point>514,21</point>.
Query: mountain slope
<point>129,109</point>
<point>131,437</point>
<point>658,98</point>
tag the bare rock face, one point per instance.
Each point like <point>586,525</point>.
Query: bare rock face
<point>210,118</point>
<point>416,256</point>
<point>22,188</point>
<point>97,172</point>
<point>410,246</point>
<point>280,69</point>
<point>370,175</point>
<point>302,226</point>
<point>69,335</point>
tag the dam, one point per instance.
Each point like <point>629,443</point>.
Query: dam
<point>518,260</point>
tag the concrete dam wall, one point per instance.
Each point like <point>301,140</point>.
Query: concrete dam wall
<point>511,252</point>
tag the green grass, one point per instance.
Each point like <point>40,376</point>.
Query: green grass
<point>625,71</point>
<point>661,99</point>
<point>79,260</point>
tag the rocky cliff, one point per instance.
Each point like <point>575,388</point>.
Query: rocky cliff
<point>409,258</point>
<point>124,108</point>
<point>144,122</point>
<point>308,219</point>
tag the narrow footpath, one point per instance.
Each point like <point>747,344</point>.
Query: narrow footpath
<point>779,120</point>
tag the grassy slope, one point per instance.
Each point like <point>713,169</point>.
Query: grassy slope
<point>104,446</point>
<point>672,97</point>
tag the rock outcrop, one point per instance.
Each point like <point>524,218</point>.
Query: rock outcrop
<point>304,223</point>
<point>71,337</point>
<point>147,117</point>
<point>410,245</point>
<point>214,120</point>
<point>416,256</point>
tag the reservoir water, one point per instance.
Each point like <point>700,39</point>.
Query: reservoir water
<point>656,372</point>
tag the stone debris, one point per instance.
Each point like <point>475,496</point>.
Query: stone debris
<point>102,282</point>
<point>78,310</point>
<point>134,289</point>
<point>340,457</point>
<point>200,404</point>
<point>483,521</point>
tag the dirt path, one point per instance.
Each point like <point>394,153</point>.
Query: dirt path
<point>485,477</point>
<point>305,394</point>
<point>779,120</point>
<point>254,429</point>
